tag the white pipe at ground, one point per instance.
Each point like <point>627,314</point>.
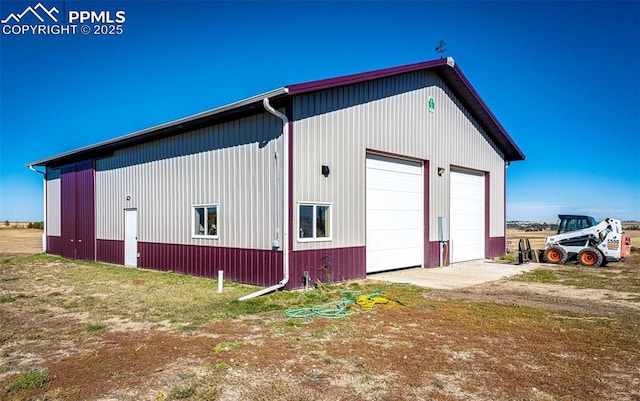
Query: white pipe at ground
<point>220,280</point>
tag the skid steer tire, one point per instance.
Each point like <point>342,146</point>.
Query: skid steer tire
<point>555,254</point>
<point>590,257</point>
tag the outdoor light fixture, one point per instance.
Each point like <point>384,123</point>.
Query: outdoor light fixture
<point>441,171</point>
<point>325,171</point>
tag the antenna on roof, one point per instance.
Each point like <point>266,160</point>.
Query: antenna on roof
<point>440,48</point>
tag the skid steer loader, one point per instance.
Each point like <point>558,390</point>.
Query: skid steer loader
<point>594,244</point>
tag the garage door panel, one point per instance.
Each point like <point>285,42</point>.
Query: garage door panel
<point>376,260</point>
<point>467,236</point>
<point>393,181</point>
<point>392,201</point>
<point>375,162</point>
<point>468,178</point>
<point>471,248</point>
<point>382,220</point>
<point>465,186</point>
<point>409,172</point>
<point>396,183</point>
<point>467,219</point>
<point>394,239</point>
<point>394,215</point>
<point>467,206</point>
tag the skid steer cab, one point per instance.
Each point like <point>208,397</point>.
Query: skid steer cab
<point>593,244</point>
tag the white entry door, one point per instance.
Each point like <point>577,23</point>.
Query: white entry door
<point>131,237</point>
<point>467,223</point>
<point>395,223</point>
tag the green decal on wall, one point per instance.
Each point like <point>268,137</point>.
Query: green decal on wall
<point>431,104</point>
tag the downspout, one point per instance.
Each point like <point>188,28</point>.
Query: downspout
<point>285,204</point>
<point>44,215</point>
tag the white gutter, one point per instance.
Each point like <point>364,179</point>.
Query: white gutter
<point>285,205</point>
<point>44,216</point>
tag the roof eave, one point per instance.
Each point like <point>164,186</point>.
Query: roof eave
<point>365,76</point>
<point>161,130</point>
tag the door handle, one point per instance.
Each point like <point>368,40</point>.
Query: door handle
<point>79,240</point>
<point>71,240</point>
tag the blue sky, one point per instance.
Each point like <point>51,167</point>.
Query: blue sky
<point>563,78</point>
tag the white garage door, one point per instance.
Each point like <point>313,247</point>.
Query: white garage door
<point>467,216</point>
<point>395,224</point>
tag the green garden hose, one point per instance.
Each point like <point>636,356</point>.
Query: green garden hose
<point>339,309</point>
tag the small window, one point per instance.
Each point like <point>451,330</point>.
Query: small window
<point>314,222</point>
<point>205,221</point>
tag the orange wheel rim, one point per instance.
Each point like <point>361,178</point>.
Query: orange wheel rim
<point>554,255</point>
<point>588,258</point>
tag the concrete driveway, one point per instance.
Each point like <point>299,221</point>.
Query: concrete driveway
<point>457,275</point>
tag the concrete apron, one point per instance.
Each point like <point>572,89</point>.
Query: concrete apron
<point>457,275</point>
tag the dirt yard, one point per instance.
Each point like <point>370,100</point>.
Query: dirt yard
<point>88,331</point>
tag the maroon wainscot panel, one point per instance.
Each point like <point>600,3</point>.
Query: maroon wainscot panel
<point>248,266</point>
<point>327,265</point>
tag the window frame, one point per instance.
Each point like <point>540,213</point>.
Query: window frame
<point>194,223</point>
<point>314,218</point>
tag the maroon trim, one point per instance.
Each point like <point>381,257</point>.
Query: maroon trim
<point>487,214</point>
<point>46,207</point>
<point>110,251</point>
<point>426,258</point>
<point>361,77</point>
<point>248,266</point>
<point>344,264</point>
<point>382,153</point>
<point>54,245</point>
<point>497,246</point>
<point>434,254</point>
<point>504,208</point>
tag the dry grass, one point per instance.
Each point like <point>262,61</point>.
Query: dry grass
<point>108,332</point>
<point>13,225</point>
<point>19,241</point>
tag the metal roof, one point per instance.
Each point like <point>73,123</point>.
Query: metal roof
<point>185,124</point>
<point>445,68</point>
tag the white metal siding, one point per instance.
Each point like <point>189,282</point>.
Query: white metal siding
<point>395,229</point>
<point>467,228</point>
<point>337,126</point>
<point>53,207</point>
<point>232,165</point>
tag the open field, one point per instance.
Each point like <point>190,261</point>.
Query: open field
<point>13,225</point>
<point>88,331</point>
<point>20,241</point>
